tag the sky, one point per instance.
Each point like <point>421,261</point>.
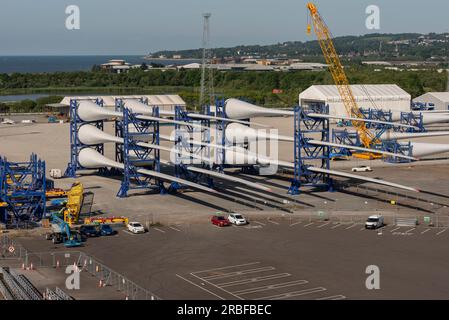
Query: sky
<point>109,27</point>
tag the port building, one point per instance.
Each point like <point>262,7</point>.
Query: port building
<point>439,99</point>
<point>382,96</point>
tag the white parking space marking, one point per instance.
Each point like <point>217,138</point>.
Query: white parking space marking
<point>271,287</point>
<point>309,224</point>
<point>441,232</point>
<point>228,267</point>
<point>210,283</point>
<point>242,282</point>
<point>159,230</point>
<point>173,228</point>
<point>292,294</point>
<point>352,226</point>
<point>323,225</point>
<point>336,297</point>
<point>362,229</point>
<point>273,222</point>
<point>221,298</point>
<point>238,273</point>
<point>395,229</point>
<point>253,227</point>
<point>253,280</point>
<point>294,224</point>
<point>410,230</point>
<point>425,231</point>
<point>336,226</point>
<point>258,222</point>
<point>131,233</point>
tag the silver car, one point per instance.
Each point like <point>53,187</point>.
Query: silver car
<point>237,219</point>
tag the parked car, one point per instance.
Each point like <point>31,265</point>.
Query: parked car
<point>362,169</point>
<point>220,221</point>
<point>106,230</point>
<point>237,219</point>
<point>135,227</point>
<point>374,222</point>
<point>90,231</point>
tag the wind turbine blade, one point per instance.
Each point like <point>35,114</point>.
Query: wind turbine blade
<point>405,135</point>
<point>193,125</point>
<point>223,176</point>
<point>226,177</point>
<point>327,116</point>
<point>92,159</point>
<point>183,153</point>
<point>203,116</point>
<point>353,176</point>
<point>337,145</point>
<point>169,178</point>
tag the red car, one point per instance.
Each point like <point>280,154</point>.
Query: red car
<point>220,221</point>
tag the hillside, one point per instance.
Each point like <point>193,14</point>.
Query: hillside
<point>407,46</point>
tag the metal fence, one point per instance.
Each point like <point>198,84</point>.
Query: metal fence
<point>10,249</point>
<point>390,218</point>
<point>85,263</point>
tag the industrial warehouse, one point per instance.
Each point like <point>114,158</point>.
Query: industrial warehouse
<point>146,198</point>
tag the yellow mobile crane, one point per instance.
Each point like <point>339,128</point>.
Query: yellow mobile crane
<point>367,138</point>
<point>74,203</point>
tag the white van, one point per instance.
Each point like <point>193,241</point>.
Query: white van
<point>374,222</point>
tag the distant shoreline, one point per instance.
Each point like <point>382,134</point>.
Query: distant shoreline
<point>172,59</point>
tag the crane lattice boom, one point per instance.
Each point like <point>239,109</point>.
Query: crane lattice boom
<point>338,74</point>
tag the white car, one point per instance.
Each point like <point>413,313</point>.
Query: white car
<point>237,219</point>
<point>8,121</point>
<point>136,227</point>
<point>374,222</point>
<point>362,169</point>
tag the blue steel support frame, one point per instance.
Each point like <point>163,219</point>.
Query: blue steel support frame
<point>75,144</point>
<point>133,156</point>
<point>181,170</point>
<point>352,138</point>
<point>220,134</point>
<point>343,137</point>
<point>25,194</point>
<point>411,119</point>
<point>394,146</point>
<point>305,127</point>
<point>375,114</point>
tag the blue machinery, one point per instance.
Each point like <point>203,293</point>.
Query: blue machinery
<point>305,153</point>
<point>132,130</point>
<point>394,146</point>
<point>70,240</point>
<point>75,144</point>
<point>184,148</point>
<point>343,136</point>
<point>22,189</point>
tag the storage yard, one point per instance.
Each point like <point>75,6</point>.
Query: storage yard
<point>140,198</point>
<point>180,227</point>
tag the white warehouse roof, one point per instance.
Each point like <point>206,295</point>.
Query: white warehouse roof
<point>377,92</point>
<point>379,96</point>
<point>442,96</point>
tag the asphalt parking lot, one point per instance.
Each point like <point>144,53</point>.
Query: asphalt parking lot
<point>277,259</point>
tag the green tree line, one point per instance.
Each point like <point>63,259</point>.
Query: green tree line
<point>253,86</point>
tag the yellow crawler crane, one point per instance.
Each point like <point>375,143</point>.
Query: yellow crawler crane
<point>74,203</point>
<point>324,36</point>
